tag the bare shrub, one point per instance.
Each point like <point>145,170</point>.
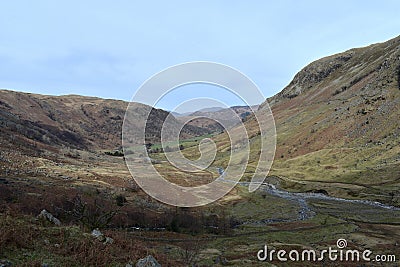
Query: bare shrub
<point>92,214</point>
<point>190,251</point>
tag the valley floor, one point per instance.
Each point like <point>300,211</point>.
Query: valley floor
<point>85,191</point>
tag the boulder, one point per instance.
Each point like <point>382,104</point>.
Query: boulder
<point>148,261</point>
<point>108,240</point>
<point>44,214</point>
<point>97,234</point>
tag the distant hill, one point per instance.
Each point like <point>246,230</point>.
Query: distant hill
<point>91,123</point>
<point>211,109</point>
<point>209,117</point>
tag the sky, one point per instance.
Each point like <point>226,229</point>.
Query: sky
<point>109,49</point>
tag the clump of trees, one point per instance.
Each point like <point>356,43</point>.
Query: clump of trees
<point>193,222</point>
<point>162,150</point>
<point>116,153</point>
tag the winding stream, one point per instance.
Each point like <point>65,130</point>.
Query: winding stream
<point>305,211</point>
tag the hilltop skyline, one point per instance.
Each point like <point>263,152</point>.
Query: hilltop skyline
<point>104,50</point>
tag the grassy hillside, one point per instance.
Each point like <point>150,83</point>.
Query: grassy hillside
<point>338,125</point>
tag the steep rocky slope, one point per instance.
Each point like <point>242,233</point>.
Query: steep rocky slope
<point>338,120</point>
<point>352,97</point>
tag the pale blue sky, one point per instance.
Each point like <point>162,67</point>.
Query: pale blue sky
<point>108,49</point>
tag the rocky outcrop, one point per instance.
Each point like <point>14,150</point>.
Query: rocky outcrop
<point>367,68</point>
<point>314,73</point>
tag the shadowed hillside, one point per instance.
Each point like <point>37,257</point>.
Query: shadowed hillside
<point>32,120</point>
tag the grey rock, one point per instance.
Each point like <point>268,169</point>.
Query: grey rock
<point>44,214</point>
<point>99,236</point>
<point>108,240</point>
<point>148,261</point>
<point>96,233</point>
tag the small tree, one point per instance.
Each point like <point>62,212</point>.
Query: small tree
<point>190,251</point>
<point>91,215</point>
<point>120,200</point>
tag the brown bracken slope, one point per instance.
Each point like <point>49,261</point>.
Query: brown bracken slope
<point>338,120</point>
<point>31,120</point>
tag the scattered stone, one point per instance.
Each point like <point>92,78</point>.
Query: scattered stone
<point>99,236</point>
<point>44,214</point>
<point>148,261</point>
<point>108,240</point>
<point>128,265</point>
